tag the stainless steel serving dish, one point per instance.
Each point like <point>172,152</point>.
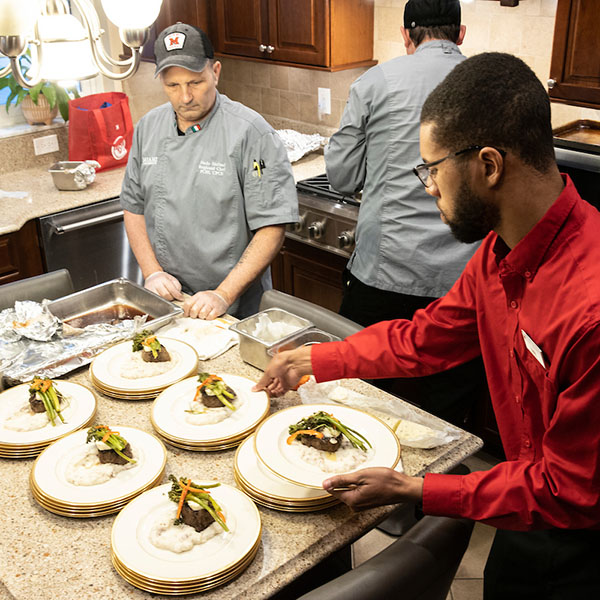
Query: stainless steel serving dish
<point>253,349</point>
<point>115,299</point>
<point>307,337</point>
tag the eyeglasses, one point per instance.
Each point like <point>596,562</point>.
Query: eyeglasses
<point>424,171</point>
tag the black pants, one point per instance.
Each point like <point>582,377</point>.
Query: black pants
<point>449,394</point>
<point>554,564</point>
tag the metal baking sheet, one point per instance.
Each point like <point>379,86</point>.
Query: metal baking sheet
<point>116,293</point>
<point>582,135</point>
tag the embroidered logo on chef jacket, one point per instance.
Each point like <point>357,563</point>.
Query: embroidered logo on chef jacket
<point>175,41</point>
<point>211,167</point>
<point>149,160</point>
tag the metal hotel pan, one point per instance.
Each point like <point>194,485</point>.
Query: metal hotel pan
<point>115,293</point>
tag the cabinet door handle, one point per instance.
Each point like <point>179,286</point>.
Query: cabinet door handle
<point>262,47</point>
<point>270,49</point>
<point>551,83</point>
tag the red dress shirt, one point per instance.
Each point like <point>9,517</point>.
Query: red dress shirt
<point>547,287</point>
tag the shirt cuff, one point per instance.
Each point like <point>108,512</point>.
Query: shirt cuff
<point>324,361</point>
<point>442,495</point>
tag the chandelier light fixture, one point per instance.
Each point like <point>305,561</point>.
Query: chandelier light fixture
<point>65,48</point>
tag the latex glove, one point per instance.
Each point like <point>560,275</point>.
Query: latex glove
<point>206,305</point>
<point>164,285</point>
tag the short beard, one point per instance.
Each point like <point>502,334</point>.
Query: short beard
<point>474,217</point>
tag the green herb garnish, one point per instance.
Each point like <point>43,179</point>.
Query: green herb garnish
<point>146,339</point>
<point>322,419</point>
<point>44,390</point>
<point>102,433</point>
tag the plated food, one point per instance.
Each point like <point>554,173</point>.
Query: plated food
<point>364,441</point>
<point>106,454</point>
<point>198,517</point>
<point>140,369</point>
<point>32,415</point>
<point>203,565</point>
<point>323,440</point>
<point>210,412</point>
<point>78,476</point>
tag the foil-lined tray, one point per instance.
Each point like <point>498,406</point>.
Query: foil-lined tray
<point>53,338</point>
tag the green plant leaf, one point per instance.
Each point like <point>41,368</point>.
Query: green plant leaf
<point>10,98</point>
<point>34,92</point>
<point>4,83</point>
<point>50,93</point>
<point>22,93</point>
<point>63,102</point>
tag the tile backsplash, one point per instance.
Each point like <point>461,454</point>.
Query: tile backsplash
<point>287,96</point>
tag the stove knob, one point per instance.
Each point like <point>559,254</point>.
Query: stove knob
<point>345,239</point>
<point>299,226</point>
<point>316,230</point>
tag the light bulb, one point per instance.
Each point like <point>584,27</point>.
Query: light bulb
<point>132,14</point>
<point>18,17</point>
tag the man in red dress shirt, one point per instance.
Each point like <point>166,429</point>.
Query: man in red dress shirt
<point>528,302</point>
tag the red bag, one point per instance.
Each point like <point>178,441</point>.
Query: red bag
<point>100,128</point>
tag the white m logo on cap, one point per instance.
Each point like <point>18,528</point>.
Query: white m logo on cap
<point>174,41</point>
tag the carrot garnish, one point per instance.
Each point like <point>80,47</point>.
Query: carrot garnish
<point>210,379</point>
<point>108,433</point>
<point>184,490</point>
<point>294,435</point>
<point>302,381</point>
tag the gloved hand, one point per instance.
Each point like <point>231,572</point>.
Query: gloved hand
<point>164,285</point>
<point>205,305</point>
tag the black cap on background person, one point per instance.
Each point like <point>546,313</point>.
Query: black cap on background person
<point>182,45</point>
<point>431,13</point>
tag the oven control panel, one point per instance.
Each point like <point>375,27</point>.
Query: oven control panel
<point>325,224</point>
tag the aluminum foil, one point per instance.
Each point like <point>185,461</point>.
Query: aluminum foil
<point>35,342</point>
<point>298,144</point>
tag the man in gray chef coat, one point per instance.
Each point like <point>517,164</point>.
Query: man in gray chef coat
<point>405,257</point>
<point>208,187</point>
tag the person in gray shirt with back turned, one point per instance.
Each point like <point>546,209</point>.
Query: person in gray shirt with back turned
<point>405,257</point>
<point>208,187</point>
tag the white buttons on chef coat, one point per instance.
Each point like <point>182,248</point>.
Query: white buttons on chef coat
<point>513,304</point>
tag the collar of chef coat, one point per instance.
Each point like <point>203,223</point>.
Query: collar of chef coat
<point>526,257</point>
<point>204,123</point>
<point>446,46</point>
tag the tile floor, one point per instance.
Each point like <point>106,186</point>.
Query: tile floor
<point>468,583</point>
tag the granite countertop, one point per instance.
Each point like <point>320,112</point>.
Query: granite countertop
<point>50,557</point>
<point>42,198</point>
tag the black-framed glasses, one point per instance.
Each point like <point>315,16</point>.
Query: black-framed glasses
<point>423,171</point>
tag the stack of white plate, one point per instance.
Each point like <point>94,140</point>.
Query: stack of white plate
<point>79,411</point>
<point>204,566</point>
<point>267,489</point>
<point>181,429</point>
<point>308,467</point>
<point>51,475</point>
<point>106,371</point>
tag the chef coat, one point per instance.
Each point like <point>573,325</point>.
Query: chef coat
<point>402,245</point>
<point>203,194</point>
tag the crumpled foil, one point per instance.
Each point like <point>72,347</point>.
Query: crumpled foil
<point>85,173</point>
<point>57,348</point>
<point>298,144</point>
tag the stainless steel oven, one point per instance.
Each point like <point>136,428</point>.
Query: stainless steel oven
<point>91,242</point>
<point>582,163</point>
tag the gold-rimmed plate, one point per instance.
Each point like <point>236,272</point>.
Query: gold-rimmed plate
<point>108,369</point>
<point>53,473</point>
<point>170,419</point>
<point>289,460</point>
<point>131,545</point>
<point>79,410</point>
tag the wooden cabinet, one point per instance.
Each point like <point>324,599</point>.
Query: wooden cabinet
<point>574,72</point>
<point>309,273</point>
<point>192,12</point>
<point>326,34</point>
<point>20,254</point>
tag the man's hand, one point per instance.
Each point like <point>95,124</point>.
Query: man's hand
<point>284,372</point>
<point>376,486</point>
<point>164,285</point>
<point>206,305</point>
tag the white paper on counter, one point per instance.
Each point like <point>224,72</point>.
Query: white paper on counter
<point>413,429</point>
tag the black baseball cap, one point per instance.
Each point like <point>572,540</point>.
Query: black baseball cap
<point>431,13</point>
<point>182,45</point>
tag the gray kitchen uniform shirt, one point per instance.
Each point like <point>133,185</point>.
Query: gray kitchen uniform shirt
<point>205,193</point>
<point>401,243</point>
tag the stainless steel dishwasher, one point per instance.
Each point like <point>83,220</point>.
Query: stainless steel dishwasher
<point>91,242</point>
